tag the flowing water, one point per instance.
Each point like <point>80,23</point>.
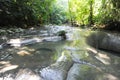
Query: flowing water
<point>90,63</point>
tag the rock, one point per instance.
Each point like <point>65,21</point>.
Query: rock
<point>74,73</point>
<point>106,41</point>
<point>1,46</point>
<point>19,42</point>
<point>53,39</point>
<point>27,74</point>
<point>62,34</point>
<point>59,70</point>
<point>110,42</point>
<point>56,71</point>
<point>82,72</point>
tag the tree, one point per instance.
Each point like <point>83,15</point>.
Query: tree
<point>16,12</point>
<point>91,13</point>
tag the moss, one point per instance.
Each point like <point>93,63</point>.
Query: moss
<point>62,34</point>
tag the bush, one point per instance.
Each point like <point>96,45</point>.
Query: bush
<point>16,12</point>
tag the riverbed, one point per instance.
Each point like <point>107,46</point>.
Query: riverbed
<point>90,63</point>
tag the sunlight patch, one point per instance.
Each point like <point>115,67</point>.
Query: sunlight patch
<point>15,42</point>
<point>110,77</point>
<point>4,62</point>
<point>8,67</point>
<point>104,61</point>
<point>23,53</point>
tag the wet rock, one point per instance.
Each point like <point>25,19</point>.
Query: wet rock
<point>82,72</point>
<point>5,56</point>
<point>53,39</point>
<point>1,46</point>
<point>43,33</point>
<point>71,48</point>
<point>62,34</point>
<point>19,42</point>
<point>106,41</point>
<point>110,42</point>
<point>59,70</point>
<point>74,73</point>
<point>27,74</point>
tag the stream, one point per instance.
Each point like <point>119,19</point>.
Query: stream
<point>34,50</point>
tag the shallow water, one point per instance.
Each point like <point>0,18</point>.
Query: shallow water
<point>97,64</point>
<point>90,63</point>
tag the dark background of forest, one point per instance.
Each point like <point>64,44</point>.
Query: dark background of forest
<point>26,13</point>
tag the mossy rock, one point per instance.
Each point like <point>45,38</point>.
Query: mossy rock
<point>62,34</point>
<point>58,70</point>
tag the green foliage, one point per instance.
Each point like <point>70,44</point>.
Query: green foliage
<point>16,12</point>
<point>94,11</point>
<point>79,11</point>
<point>47,11</point>
<point>42,10</point>
<point>107,11</point>
<point>58,15</point>
<point>25,13</point>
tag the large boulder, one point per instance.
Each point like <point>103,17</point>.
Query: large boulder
<point>106,41</point>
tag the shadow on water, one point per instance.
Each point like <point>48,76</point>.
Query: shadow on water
<point>111,52</point>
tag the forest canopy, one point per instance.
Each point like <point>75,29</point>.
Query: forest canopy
<point>24,13</point>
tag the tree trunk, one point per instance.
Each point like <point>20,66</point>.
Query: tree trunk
<point>91,13</point>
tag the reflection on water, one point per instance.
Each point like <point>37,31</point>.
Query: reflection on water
<point>103,65</point>
<point>96,65</point>
<point>33,56</point>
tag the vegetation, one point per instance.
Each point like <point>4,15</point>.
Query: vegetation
<point>94,11</point>
<point>16,12</point>
<point>25,13</point>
